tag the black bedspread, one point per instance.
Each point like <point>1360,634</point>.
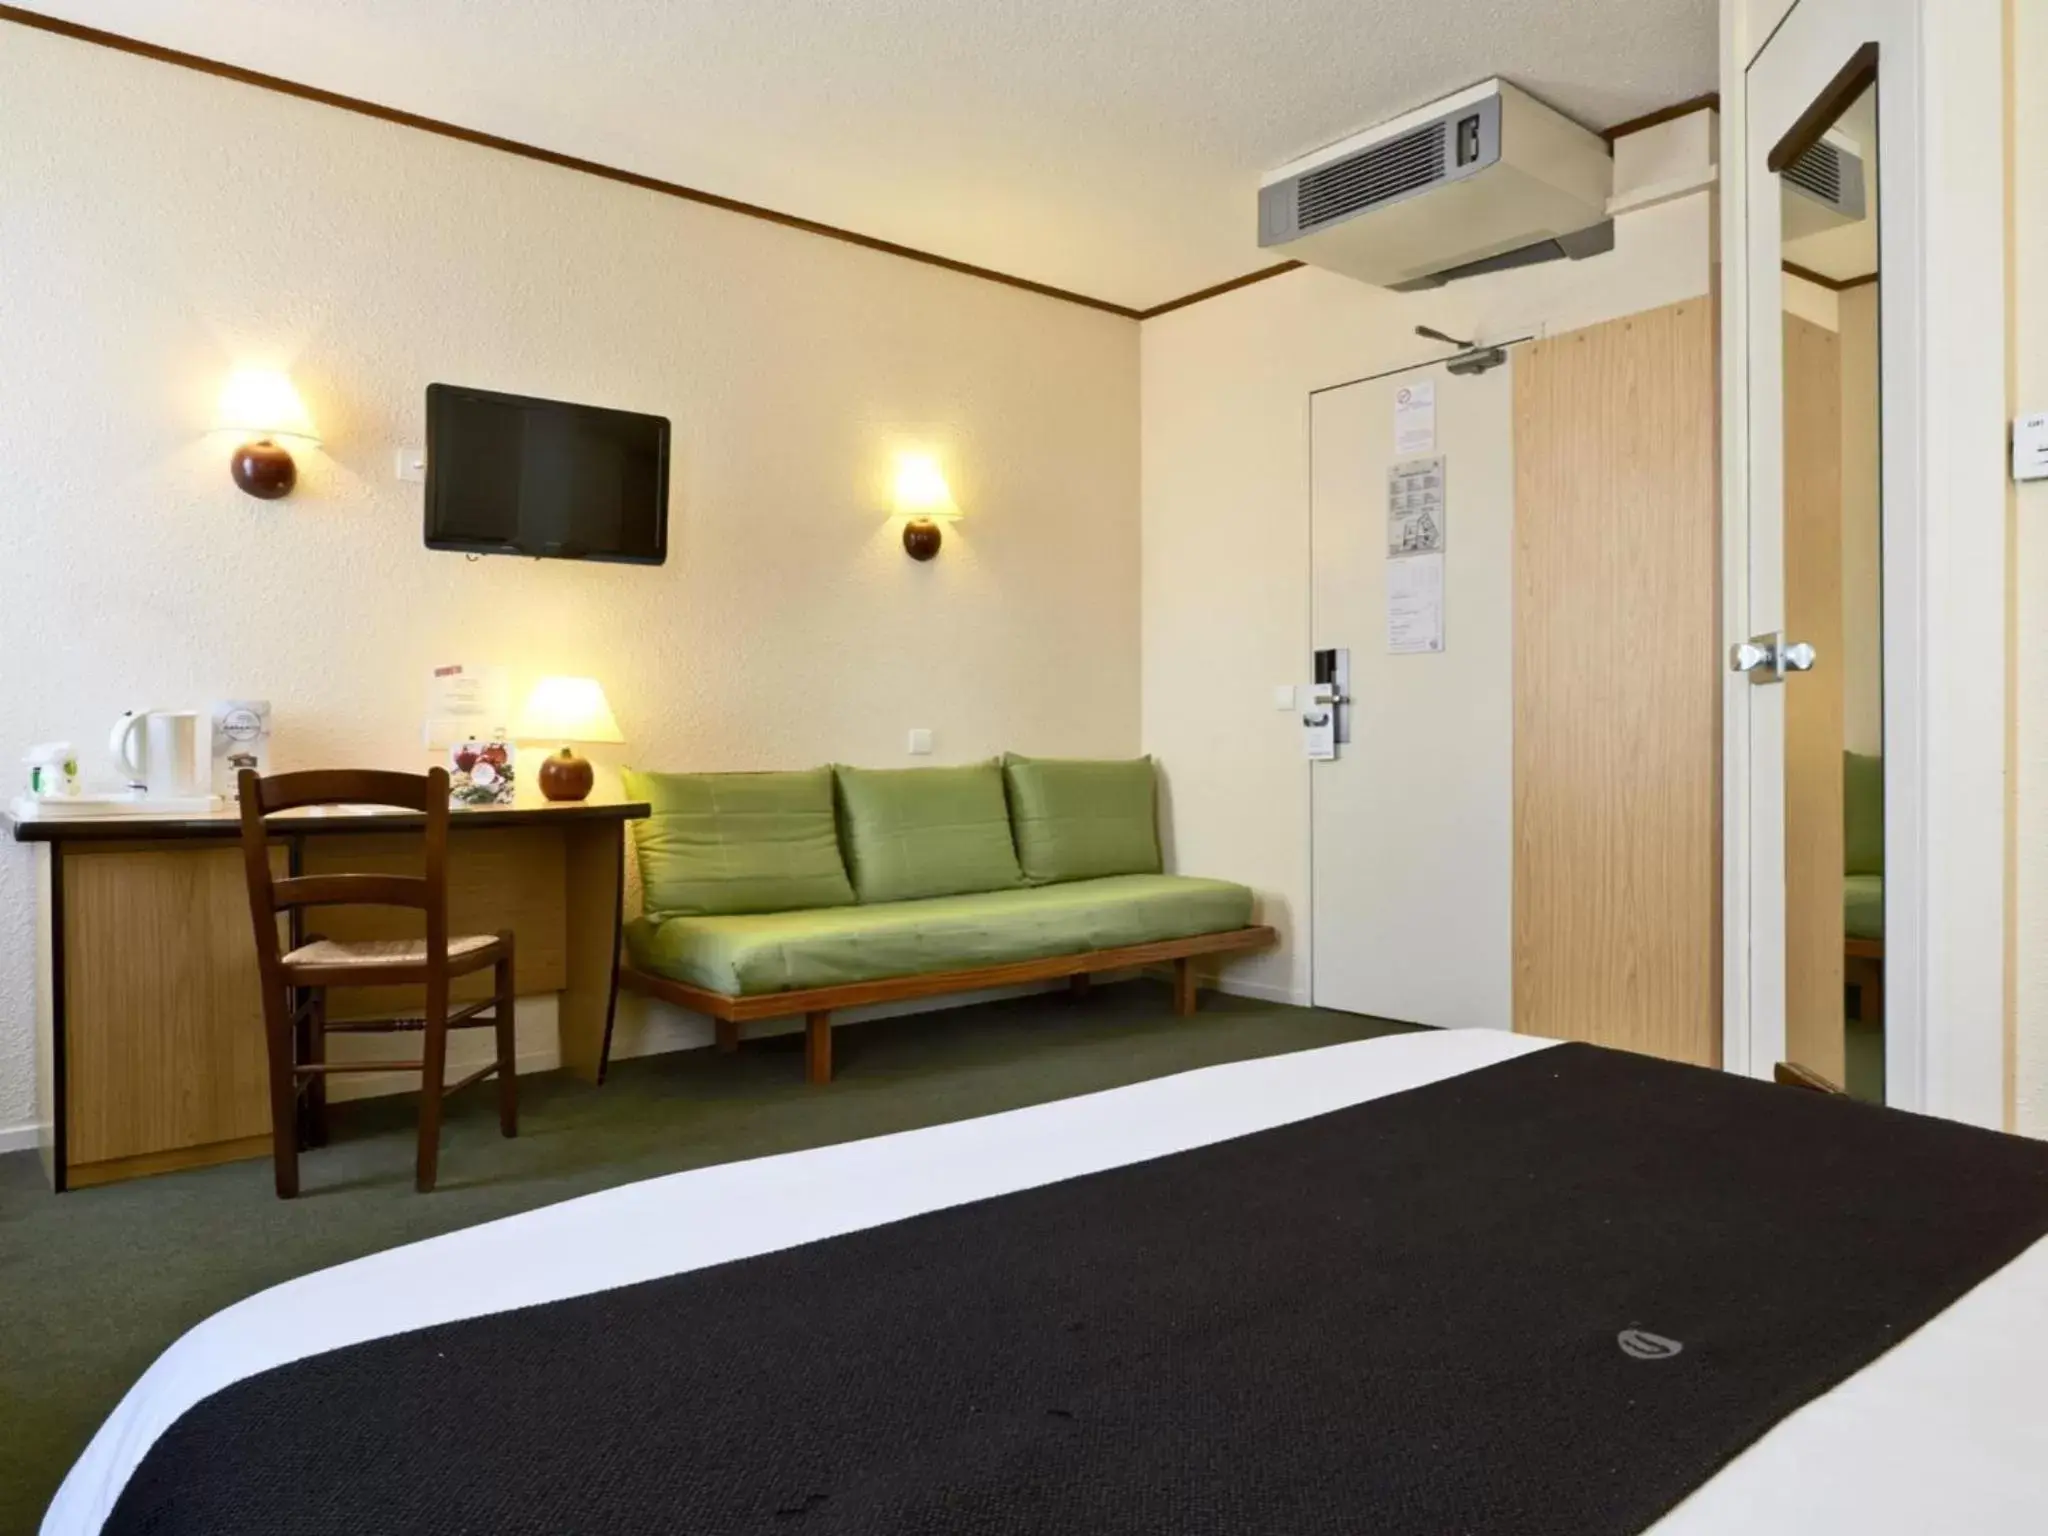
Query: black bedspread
<point>1554,1295</point>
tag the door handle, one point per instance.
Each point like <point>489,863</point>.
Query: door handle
<point>1767,658</point>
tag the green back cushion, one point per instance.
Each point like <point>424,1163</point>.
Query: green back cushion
<point>1080,819</point>
<point>720,843</point>
<point>915,832</point>
<point>1862,814</point>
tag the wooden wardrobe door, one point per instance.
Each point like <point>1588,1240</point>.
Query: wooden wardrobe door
<point>1617,901</point>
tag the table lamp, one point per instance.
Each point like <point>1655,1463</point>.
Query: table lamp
<point>569,710</point>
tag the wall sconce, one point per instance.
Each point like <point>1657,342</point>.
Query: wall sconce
<point>923,498</point>
<point>263,404</point>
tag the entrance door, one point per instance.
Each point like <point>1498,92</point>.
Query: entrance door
<point>1818,867</point>
<point>1412,819</point>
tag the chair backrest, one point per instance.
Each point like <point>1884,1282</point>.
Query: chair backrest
<point>264,796</point>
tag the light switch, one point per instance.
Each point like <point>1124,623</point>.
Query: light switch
<point>412,465</point>
<point>1283,696</point>
<point>920,743</point>
<point>2030,447</point>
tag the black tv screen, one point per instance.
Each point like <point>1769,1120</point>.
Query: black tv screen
<point>507,475</point>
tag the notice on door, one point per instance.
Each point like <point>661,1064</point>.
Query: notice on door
<point>1415,418</point>
<point>1415,507</point>
<point>1415,605</point>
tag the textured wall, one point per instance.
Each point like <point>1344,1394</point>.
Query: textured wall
<point>159,227</point>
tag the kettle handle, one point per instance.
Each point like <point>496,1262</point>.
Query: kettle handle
<point>126,749</point>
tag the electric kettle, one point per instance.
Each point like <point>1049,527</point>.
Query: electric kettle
<point>157,752</point>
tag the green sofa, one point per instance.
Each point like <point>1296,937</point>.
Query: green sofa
<point>767,895</point>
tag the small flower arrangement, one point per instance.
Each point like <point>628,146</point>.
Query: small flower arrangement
<point>480,773</point>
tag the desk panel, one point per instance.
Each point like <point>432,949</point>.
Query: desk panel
<point>163,1015</point>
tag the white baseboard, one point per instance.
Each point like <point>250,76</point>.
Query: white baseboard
<point>20,1138</point>
<point>1265,992</point>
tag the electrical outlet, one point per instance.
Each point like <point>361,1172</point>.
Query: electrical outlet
<point>412,465</point>
<point>1283,696</point>
<point>920,743</point>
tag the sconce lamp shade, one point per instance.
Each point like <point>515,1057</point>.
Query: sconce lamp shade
<point>262,403</point>
<point>923,497</point>
<point>567,709</point>
<point>921,490</point>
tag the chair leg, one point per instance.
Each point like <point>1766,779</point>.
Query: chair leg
<point>284,1095</point>
<point>316,1087</point>
<point>818,1047</point>
<point>508,1051</point>
<point>433,1080</point>
<point>1184,987</point>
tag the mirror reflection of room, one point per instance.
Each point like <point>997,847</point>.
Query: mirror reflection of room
<point>1834,716</point>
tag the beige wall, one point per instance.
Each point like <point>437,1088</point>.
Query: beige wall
<point>2028,73</point>
<point>1226,525</point>
<point>158,227</point>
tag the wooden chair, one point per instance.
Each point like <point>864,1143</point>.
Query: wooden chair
<point>295,980</point>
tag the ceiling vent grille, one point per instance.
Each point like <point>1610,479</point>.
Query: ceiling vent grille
<point>1819,172</point>
<point>1376,175</point>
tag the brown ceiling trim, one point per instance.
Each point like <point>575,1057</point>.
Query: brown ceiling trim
<point>1808,275</point>
<point>1849,83</point>
<point>1214,289</point>
<point>1710,102</point>
<point>403,119</point>
<point>1822,280</point>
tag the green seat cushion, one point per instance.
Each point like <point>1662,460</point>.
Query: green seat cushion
<point>738,842</point>
<point>1862,814</point>
<point>782,951</point>
<point>1078,819</point>
<point>1863,906</point>
<point>917,832</point>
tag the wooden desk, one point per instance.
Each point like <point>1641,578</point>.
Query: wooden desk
<point>150,1048</point>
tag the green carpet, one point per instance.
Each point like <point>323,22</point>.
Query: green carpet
<point>93,1285</point>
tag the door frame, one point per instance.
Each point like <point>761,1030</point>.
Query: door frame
<point>1943,345</point>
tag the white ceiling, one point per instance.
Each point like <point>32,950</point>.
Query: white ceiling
<point>1112,147</point>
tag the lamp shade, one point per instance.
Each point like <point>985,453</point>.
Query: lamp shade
<point>567,709</point>
<point>921,489</point>
<point>263,403</point>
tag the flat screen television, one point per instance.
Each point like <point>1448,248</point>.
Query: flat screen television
<point>508,475</point>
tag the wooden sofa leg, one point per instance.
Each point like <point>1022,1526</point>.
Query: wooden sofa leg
<point>1184,987</point>
<point>1078,983</point>
<point>818,1047</point>
<point>728,1035</point>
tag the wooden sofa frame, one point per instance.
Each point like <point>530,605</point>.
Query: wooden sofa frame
<point>817,1003</point>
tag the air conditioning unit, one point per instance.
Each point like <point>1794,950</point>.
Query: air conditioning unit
<point>1824,188</point>
<point>1487,179</point>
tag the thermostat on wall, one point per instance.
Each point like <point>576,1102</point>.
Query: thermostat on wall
<point>2030,447</point>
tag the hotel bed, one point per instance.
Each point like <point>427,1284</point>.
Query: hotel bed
<point>1430,1283</point>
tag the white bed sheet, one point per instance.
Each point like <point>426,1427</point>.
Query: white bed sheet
<point>1946,1433</point>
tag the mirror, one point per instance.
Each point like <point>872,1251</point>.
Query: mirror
<point>1834,583</point>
